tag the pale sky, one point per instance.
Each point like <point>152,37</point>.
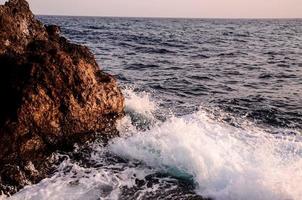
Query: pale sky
<point>171,8</point>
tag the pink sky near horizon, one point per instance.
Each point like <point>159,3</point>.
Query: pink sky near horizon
<point>171,8</point>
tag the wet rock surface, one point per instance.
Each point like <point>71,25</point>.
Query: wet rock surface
<point>53,95</point>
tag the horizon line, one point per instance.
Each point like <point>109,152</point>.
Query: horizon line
<point>171,17</point>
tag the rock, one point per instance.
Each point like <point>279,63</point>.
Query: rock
<point>53,94</point>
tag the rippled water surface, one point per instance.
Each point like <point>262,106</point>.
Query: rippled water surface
<point>249,67</point>
<point>214,109</point>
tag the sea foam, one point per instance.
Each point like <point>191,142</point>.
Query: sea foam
<point>223,161</point>
<point>226,162</point>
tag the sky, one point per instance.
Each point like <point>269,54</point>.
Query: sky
<point>171,8</point>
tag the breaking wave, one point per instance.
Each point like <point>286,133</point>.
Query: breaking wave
<point>219,160</point>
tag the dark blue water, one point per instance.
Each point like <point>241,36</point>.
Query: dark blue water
<point>251,68</point>
<point>213,109</point>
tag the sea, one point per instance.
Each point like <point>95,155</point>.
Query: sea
<point>213,111</point>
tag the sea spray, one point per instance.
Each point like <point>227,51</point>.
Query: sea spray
<point>226,162</point>
<point>139,103</point>
<point>140,109</point>
<point>219,160</point>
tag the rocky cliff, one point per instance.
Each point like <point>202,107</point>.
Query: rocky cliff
<point>53,94</point>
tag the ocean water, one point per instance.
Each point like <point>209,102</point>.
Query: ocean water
<point>213,111</point>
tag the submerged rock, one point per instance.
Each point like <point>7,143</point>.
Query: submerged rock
<point>53,94</point>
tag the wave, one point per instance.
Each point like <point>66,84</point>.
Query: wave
<point>139,103</point>
<point>226,162</point>
<point>221,161</point>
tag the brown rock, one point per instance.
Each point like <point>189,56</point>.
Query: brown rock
<point>53,94</point>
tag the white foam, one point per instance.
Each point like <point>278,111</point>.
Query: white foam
<point>140,103</point>
<point>75,182</point>
<point>226,162</point>
<point>81,183</point>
